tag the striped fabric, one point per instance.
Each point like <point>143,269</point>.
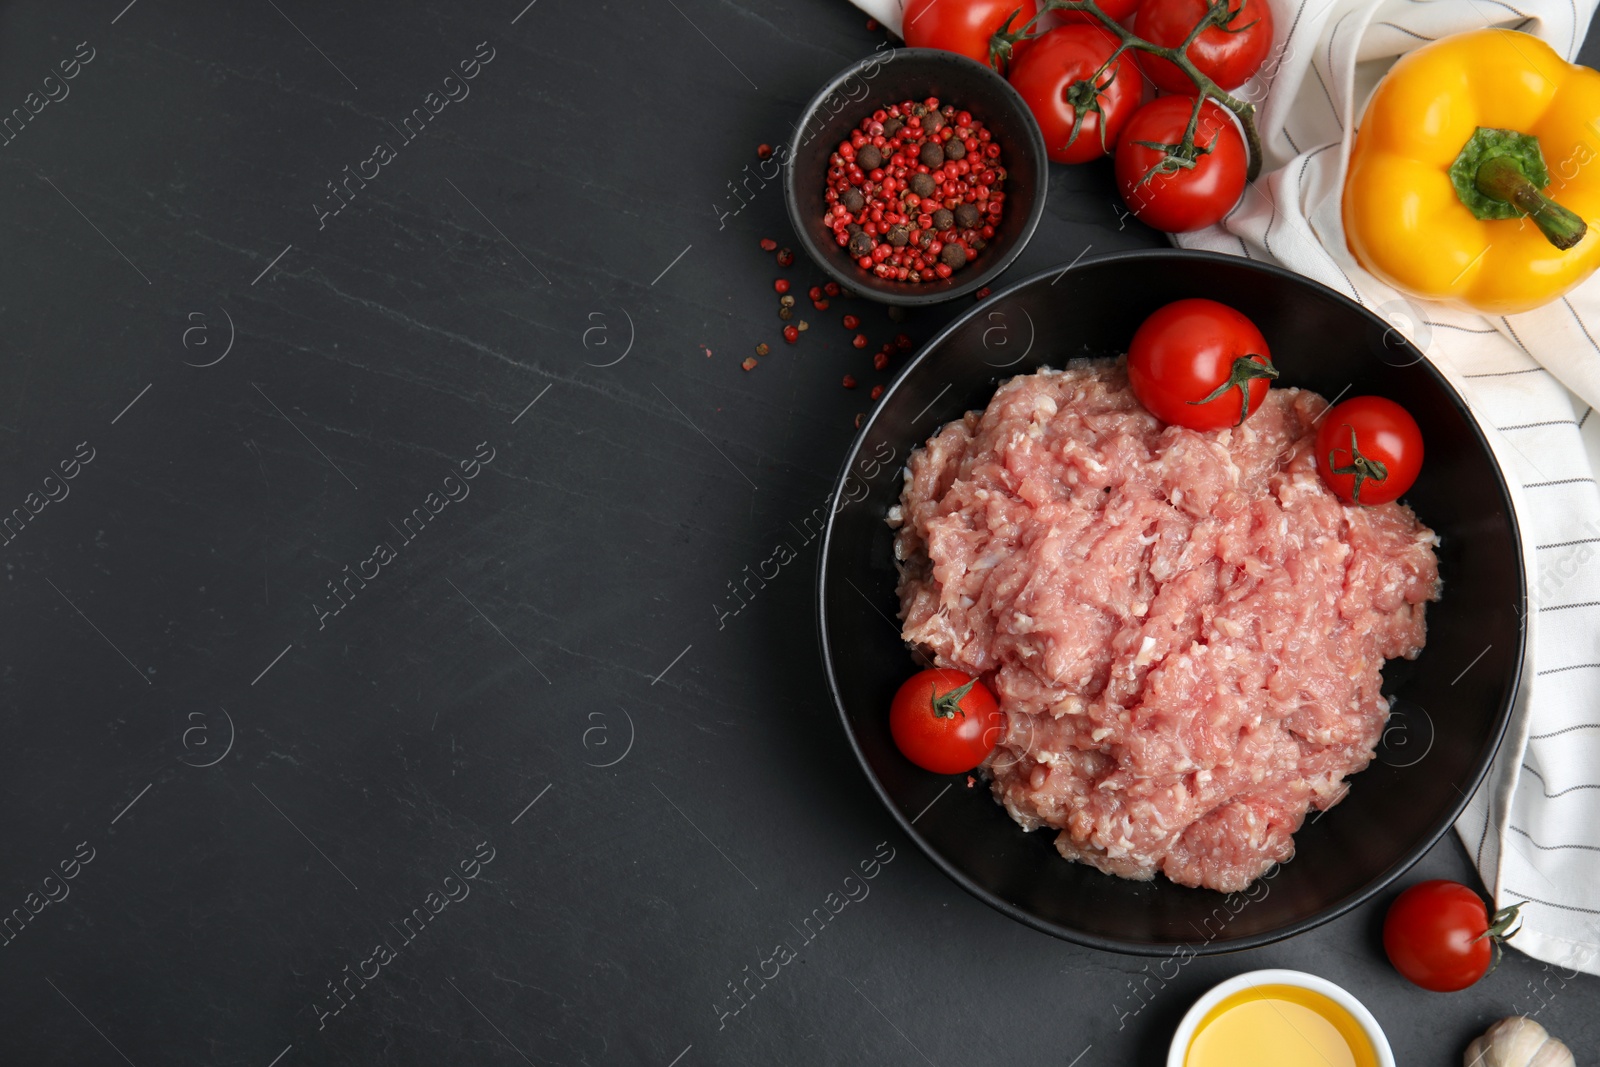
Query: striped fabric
<point>1532,381</point>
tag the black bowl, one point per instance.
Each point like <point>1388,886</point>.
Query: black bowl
<point>916,74</point>
<point>1441,736</point>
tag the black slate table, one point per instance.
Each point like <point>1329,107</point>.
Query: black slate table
<point>369,688</point>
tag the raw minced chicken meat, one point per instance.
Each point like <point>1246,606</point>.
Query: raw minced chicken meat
<point>1185,629</point>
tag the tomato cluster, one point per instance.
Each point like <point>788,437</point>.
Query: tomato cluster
<point>1090,91</point>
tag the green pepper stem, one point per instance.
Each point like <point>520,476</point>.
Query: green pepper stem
<point>1500,177</point>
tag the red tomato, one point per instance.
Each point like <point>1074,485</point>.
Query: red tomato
<point>945,721</point>
<point>964,26</point>
<point>1369,450</point>
<point>1441,936</point>
<point>1228,54</point>
<point>1195,363</point>
<point>1171,197</point>
<point>1064,77</point>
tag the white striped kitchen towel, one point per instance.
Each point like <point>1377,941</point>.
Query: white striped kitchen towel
<point>1532,381</point>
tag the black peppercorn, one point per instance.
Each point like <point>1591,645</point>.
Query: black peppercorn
<point>932,122</point>
<point>923,184</point>
<point>931,155</point>
<point>925,238</point>
<point>892,127</point>
<point>954,149</point>
<point>853,200</point>
<point>868,157</point>
<point>943,219</point>
<point>861,244</point>
<point>899,234</point>
<point>968,216</point>
<point>953,256</point>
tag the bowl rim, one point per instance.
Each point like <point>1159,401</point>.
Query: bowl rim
<point>865,285</point>
<point>1153,948</point>
<point>1178,1051</point>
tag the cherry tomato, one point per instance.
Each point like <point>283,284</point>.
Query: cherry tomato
<point>1174,198</point>
<point>1228,54</point>
<point>1369,450</point>
<point>1196,362</point>
<point>1441,936</point>
<point>945,721</point>
<point>1080,101</point>
<point>964,26</point>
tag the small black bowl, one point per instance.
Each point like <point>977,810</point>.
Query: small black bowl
<point>916,74</point>
<point>1441,735</point>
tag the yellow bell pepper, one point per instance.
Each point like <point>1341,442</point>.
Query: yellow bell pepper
<point>1474,170</point>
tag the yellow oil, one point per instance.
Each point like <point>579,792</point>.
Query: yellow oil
<point>1279,1026</point>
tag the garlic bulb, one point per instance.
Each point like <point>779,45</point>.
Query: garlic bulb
<point>1518,1042</point>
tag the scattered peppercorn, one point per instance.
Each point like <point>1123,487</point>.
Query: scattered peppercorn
<point>880,361</point>
<point>804,326</point>
<point>749,363</point>
<point>785,257</point>
<point>815,293</point>
<point>762,349</point>
<point>786,300</point>
<point>903,342</point>
<point>851,322</point>
<point>763,151</point>
<point>981,293</point>
<point>872,26</point>
<point>785,312</point>
<point>859,416</point>
<point>791,334</point>
<point>781,285</point>
<point>877,391</point>
<point>832,288</point>
<point>768,244</point>
<point>860,340</point>
<point>849,381</point>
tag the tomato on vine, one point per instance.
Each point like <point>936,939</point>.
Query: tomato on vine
<point>1228,51</point>
<point>1441,936</point>
<point>1369,450</point>
<point>1169,189</point>
<point>1080,96</point>
<point>1199,364</point>
<point>965,26</point>
<point>945,721</point>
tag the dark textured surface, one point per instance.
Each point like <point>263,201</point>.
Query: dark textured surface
<point>574,610</point>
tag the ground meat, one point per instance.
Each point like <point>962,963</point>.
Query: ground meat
<point>1185,629</point>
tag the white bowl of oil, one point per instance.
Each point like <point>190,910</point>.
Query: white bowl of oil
<point>1279,1018</point>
